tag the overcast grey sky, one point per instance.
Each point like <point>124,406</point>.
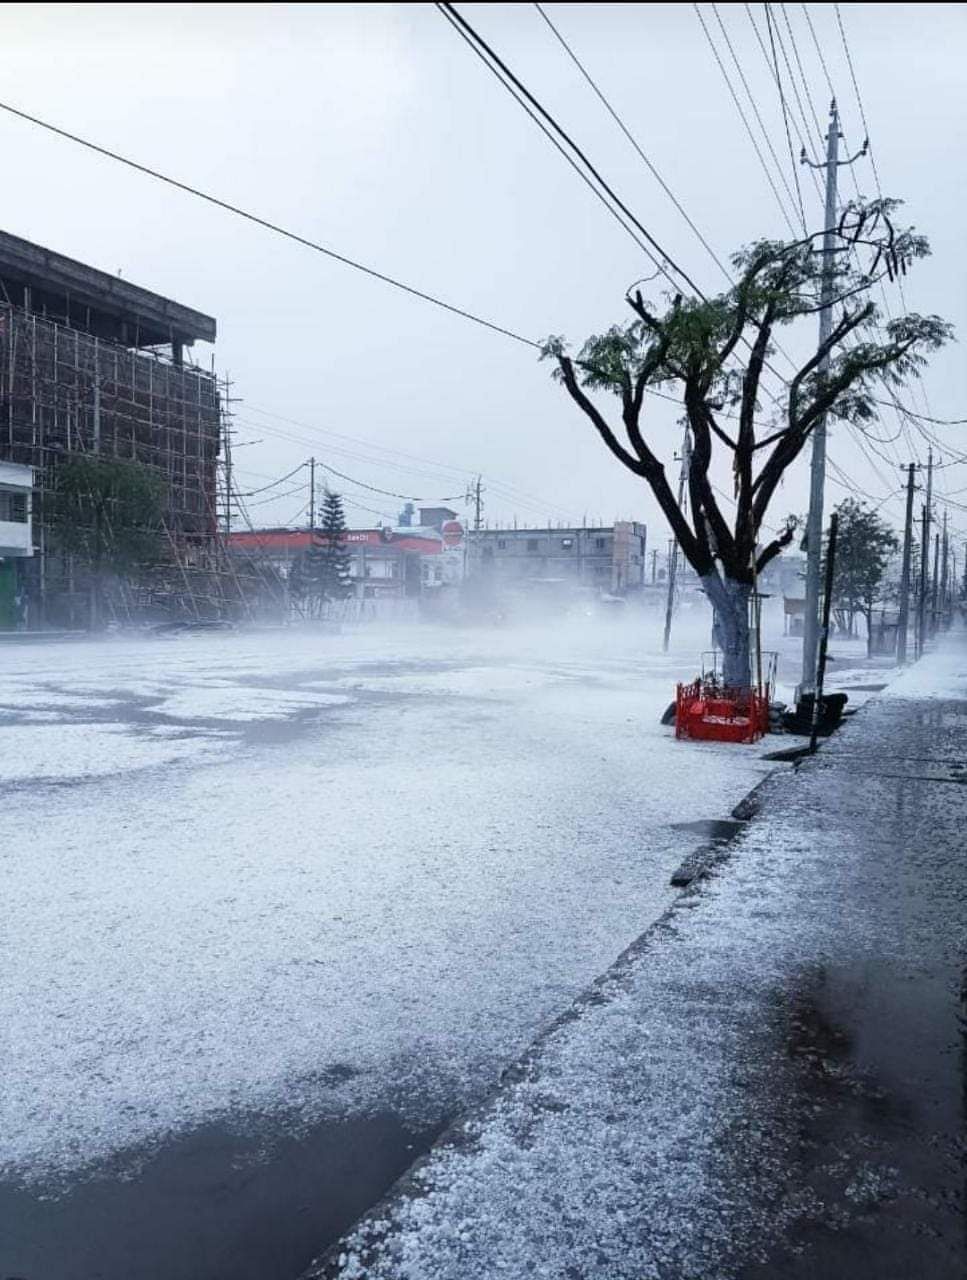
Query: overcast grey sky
<point>373,129</point>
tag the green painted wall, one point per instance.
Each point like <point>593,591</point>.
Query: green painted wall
<point>9,610</point>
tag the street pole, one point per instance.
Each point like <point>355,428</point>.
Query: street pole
<point>673,558</point>
<point>935,586</point>
<point>97,417</point>
<point>814,523</point>
<point>943,571</point>
<point>922,599</point>
<point>312,493</point>
<point>903,621</point>
<point>820,674</point>
<point>654,566</point>
<point>478,505</point>
<point>227,432</point>
<point>926,537</point>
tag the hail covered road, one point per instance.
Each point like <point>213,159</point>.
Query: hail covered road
<point>277,906</point>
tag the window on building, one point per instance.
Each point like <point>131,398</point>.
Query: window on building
<point>13,507</point>
<point>501,544</point>
<point>533,544</point>
<point>567,543</point>
<point>600,544</point>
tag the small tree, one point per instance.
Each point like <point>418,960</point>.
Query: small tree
<point>865,544</point>
<point>688,348</point>
<point>324,573</point>
<point>108,514</point>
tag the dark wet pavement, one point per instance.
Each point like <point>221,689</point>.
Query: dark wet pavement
<point>224,1200</point>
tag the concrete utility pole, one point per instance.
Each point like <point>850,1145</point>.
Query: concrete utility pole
<point>936,584</point>
<point>943,572</point>
<point>227,439</point>
<point>814,522</point>
<point>312,493</point>
<point>926,533</point>
<point>903,622</point>
<point>824,630</point>
<point>654,566</point>
<point>673,558</point>
<point>476,495</point>
<point>922,596</point>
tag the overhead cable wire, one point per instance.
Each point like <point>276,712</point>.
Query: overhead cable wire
<point>455,22</point>
<point>495,62</point>
<point>773,70</point>
<point>802,74</point>
<point>276,497</point>
<point>266,224</point>
<point>819,51</point>
<point>856,90</point>
<point>281,480</point>
<point>785,118</point>
<point>744,119</point>
<point>634,142</point>
<point>781,45</point>
<point>387,493</point>
<point>515,86</point>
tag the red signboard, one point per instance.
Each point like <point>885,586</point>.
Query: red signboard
<point>452,531</point>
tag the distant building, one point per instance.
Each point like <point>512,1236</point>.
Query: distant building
<point>399,562</point>
<point>608,560</point>
<point>92,364</point>
<point>436,517</point>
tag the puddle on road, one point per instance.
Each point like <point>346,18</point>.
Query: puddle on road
<point>215,1203</point>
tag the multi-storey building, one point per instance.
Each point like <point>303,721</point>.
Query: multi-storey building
<point>607,560</point>
<point>91,363</point>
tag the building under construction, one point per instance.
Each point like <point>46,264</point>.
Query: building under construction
<point>92,364</point>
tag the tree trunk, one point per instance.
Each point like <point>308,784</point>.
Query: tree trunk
<point>730,629</point>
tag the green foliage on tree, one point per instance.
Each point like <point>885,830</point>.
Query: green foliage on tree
<point>718,356</point>
<point>106,513</point>
<point>865,545</point>
<point>322,573</point>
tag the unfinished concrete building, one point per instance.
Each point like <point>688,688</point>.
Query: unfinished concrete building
<point>90,363</point>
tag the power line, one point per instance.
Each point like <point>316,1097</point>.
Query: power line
<point>634,142</point>
<point>521,101</point>
<point>856,90</point>
<point>387,493</point>
<point>812,32</point>
<point>276,497</point>
<point>267,225</point>
<point>473,38</point>
<point>510,492</point>
<point>773,70</point>
<point>744,119</point>
<point>791,75</point>
<point>785,117</point>
<point>282,479</point>
<point>802,74</point>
